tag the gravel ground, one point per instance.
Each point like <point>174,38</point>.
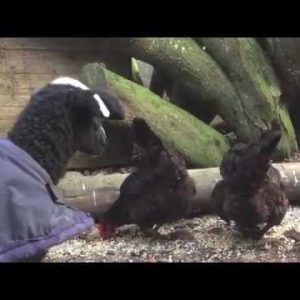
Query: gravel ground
<point>214,242</point>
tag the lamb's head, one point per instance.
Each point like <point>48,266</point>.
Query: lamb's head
<point>87,108</point>
<point>85,115</point>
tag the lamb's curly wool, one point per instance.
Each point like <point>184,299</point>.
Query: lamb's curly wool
<point>59,120</point>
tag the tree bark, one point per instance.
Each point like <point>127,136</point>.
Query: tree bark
<point>200,144</point>
<point>95,194</point>
<point>257,87</point>
<point>183,58</point>
<point>284,56</point>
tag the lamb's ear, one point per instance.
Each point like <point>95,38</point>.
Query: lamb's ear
<point>114,106</point>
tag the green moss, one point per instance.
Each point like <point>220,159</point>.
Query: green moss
<point>289,138</point>
<point>257,87</point>
<point>199,143</point>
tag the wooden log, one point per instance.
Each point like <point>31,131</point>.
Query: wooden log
<point>95,194</point>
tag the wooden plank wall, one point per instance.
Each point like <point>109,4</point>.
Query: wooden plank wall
<point>29,63</point>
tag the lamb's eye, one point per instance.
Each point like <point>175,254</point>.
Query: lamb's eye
<point>95,126</point>
<point>96,123</point>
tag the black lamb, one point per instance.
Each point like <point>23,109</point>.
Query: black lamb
<point>61,118</point>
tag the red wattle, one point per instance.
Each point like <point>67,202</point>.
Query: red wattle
<point>101,230</point>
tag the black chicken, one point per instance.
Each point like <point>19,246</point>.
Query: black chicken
<point>251,193</point>
<point>158,191</point>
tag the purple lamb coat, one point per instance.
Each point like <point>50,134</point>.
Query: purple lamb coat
<point>33,216</point>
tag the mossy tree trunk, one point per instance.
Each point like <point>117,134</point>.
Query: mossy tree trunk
<point>201,145</point>
<point>284,56</point>
<point>246,112</point>
<point>257,87</point>
<point>183,60</point>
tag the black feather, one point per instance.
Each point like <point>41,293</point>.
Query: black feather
<point>158,191</point>
<point>251,193</point>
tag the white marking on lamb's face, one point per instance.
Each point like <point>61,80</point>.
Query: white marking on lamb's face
<point>76,83</point>
<point>94,198</point>
<point>103,108</point>
<point>70,81</point>
<point>83,186</point>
